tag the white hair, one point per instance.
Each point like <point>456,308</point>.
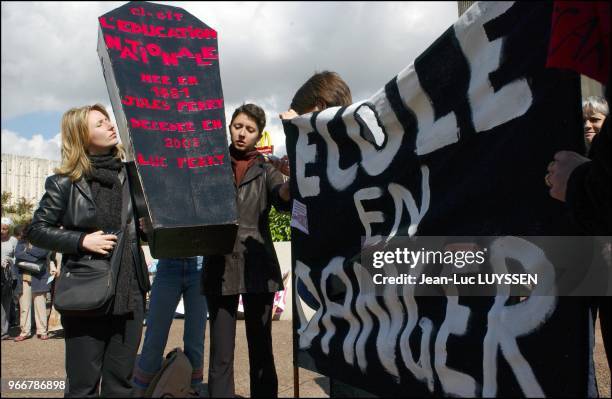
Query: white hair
<point>595,104</point>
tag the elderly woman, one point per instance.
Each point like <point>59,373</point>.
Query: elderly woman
<point>594,112</point>
<point>252,269</point>
<point>77,215</point>
<point>8,257</point>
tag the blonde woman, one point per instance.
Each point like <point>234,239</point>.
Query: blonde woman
<point>76,216</point>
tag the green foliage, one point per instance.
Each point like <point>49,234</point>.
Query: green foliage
<point>24,207</point>
<point>6,208</point>
<point>279,225</point>
<point>21,219</point>
<point>20,213</point>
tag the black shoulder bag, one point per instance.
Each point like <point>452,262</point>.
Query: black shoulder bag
<point>86,286</point>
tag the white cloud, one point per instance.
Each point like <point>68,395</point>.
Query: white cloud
<point>35,147</point>
<point>38,146</point>
<point>49,60</point>
<point>267,50</point>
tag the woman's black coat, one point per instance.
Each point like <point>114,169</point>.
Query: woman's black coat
<point>70,205</point>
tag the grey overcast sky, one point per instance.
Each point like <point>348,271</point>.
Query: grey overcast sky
<point>267,50</point>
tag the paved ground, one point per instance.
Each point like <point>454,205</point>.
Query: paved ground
<point>35,358</point>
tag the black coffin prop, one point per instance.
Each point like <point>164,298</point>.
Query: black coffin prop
<point>162,73</point>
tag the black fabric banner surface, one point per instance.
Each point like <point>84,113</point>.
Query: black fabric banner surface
<point>456,144</point>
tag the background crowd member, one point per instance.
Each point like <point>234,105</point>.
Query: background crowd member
<point>54,325</point>
<point>8,257</point>
<point>174,278</point>
<point>252,269</point>
<point>86,197</point>
<point>584,185</point>
<point>594,112</point>
<point>32,287</point>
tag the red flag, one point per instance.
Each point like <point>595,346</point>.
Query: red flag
<point>580,38</point>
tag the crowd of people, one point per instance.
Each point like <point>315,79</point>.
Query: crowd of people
<point>26,283</point>
<point>79,217</point>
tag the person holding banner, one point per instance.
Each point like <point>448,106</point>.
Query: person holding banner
<point>86,197</point>
<point>594,112</point>
<point>252,269</point>
<point>584,185</point>
<point>322,90</point>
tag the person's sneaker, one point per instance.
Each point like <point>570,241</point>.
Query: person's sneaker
<point>6,337</point>
<point>57,334</point>
<point>201,390</point>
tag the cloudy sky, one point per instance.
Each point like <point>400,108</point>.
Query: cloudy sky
<point>266,50</point>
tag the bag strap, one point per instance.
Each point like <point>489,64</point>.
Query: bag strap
<point>48,258</point>
<point>126,204</point>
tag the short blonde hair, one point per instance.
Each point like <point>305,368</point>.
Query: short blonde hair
<point>75,141</point>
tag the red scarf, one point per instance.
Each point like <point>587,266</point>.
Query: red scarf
<point>242,161</point>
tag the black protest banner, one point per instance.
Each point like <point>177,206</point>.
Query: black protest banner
<point>456,144</point>
<point>161,66</point>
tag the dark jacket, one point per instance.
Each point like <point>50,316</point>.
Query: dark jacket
<point>253,266</point>
<point>34,255</point>
<point>70,205</point>
<point>589,193</point>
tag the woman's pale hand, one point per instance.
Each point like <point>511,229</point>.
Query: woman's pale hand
<point>52,270</point>
<point>288,115</point>
<point>99,242</point>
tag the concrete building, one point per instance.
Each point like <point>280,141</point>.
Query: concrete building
<point>25,176</point>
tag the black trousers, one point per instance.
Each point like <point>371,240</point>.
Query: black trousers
<point>102,347</point>
<point>258,320</point>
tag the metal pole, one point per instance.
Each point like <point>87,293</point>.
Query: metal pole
<point>296,381</point>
